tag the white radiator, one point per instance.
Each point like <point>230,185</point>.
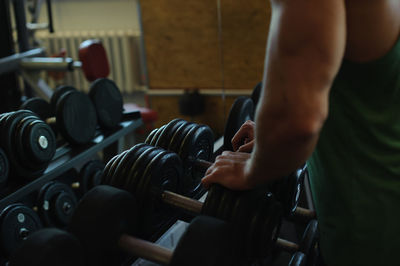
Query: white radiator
<point>122,49</point>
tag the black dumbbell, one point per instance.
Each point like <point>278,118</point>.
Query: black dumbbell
<point>106,218</point>
<point>56,203</point>
<point>194,144</point>
<point>241,111</point>
<point>106,98</point>
<point>29,143</point>
<point>108,102</point>
<point>152,175</point>
<point>4,168</point>
<point>49,247</point>
<point>75,116</point>
<point>306,246</point>
<point>39,106</point>
<point>90,175</point>
<point>256,94</point>
<point>17,221</point>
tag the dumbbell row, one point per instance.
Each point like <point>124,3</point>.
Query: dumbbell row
<point>105,221</point>
<point>194,144</point>
<point>49,246</point>
<point>103,106</point>
<point>105,208</point>
<point>146,165</point>
<point>55,247</point>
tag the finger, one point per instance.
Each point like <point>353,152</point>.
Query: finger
<point>245,133</point>
<point>248,147</point>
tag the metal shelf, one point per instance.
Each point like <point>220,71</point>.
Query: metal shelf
<point>67,157</point>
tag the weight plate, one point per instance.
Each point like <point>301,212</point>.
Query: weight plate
<point>39,142</point>
<point>213,199</point>
<point>111,171</point>
<point>255,95</point>
<point>90,174</point>
<point>4,168</point>
<point>298,259</point>
<point>241,111</point>
<point>102,216</point>
<point>17,221</point>
<point>198,145</point>
<point>150,136</point>
<point>39,106</point>
<point>58,92</point>
<point>242,212</point>
<point>120,176</point>
<point>310,238</point>
<point>76,117</point>
<point>287,190</point>
<point>167,133</point>
<point>226,205</point>
<point>138,168</point>
<point>106,177</point>
<point>21,154</point>
<point>156,135</point>
<point>56,202</point>
<point>108,102</point>
<point>267,227</point>
<point>163,172</point>
<point>187,152</point>
<point>8,141</point>
<point>48,247</point>
<point>179,135</point>
<point>205,235</point>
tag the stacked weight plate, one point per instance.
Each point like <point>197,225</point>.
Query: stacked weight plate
<point>191,142</point>
<point>143,170</point>
<point>29,143</point>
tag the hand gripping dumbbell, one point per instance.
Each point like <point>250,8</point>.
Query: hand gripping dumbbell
<point>152,175</point>
<point>105,221</point>
<point>28,142</point>
<point>194,144</point>
<point>49,247</point>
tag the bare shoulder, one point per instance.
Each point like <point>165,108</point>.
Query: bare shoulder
<point>373,27</point>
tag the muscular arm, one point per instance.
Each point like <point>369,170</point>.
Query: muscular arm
<point>305,48</point>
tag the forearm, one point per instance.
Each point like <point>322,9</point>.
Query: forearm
<point>305,49</point>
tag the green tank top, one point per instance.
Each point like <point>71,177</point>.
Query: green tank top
<point>355,168</point>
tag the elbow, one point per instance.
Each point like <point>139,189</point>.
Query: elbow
<point>309,127</point>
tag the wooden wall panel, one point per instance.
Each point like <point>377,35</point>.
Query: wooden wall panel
<point>245,29</point>
<point>182,45</point>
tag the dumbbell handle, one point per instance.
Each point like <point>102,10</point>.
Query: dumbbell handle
<point>286,245</point>
<point>180,201</point>
<point>145,249</point>
<point>305,213</point>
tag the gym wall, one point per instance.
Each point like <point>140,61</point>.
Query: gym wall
<point>183,44</point>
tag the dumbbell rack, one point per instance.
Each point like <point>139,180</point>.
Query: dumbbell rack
<point>66,158</point>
